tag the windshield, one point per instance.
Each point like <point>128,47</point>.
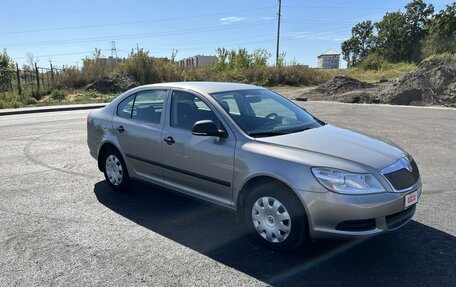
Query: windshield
<point>261,113</point>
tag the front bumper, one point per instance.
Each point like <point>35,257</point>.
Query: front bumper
<point>333,215</point>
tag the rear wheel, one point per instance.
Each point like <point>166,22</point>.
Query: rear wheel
<point>115,170</point>
<point>275,217</point>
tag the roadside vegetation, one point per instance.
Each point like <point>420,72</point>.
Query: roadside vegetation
<point>380,51</point>
<point>402,37</point>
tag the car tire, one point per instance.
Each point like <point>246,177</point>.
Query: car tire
<point>115,170</point>
<point>275,217</point>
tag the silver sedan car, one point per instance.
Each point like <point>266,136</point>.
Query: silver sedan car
<point>289,175</point>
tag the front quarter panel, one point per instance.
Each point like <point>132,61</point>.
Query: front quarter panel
<point>255,160</point>
<point>291,166</point>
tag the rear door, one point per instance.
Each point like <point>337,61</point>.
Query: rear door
<point>199,165</point>
<point>138,125</point>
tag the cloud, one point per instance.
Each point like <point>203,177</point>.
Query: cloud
<point>322,36</point>
<point>231,19</point>
<point>267,18</point>
<point>340,39</point>
<point>299,35</point>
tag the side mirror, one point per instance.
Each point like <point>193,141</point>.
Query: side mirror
<point>207,128</point>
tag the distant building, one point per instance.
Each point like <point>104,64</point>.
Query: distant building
<point>329,60</point>
<point>196,61</point>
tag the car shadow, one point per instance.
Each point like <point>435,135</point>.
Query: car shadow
<point>413,255</point>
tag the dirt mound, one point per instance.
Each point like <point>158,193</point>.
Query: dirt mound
<point>340,85</point>
<point>432,82</point>
<point>117,83</point>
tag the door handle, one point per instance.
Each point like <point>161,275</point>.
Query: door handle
<point>169,140</point>
<point>120,129</point>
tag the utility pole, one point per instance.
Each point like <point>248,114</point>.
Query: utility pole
<point>278,32</point>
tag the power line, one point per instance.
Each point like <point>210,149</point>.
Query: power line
<point>137,36</point>
<point>55,55</point>
<point>102,9</point>
<point>340,7</point>
<point>131,22</point>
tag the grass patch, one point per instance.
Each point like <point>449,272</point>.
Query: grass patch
<point>390,72</point>
<point>442,58</point>
<point>11,100</point>
<point>58,95</point>
<point>92,97</point>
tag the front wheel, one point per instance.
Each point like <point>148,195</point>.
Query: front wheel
<point>275,217</point>
<point>115,170</point>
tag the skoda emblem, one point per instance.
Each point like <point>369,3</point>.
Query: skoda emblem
<point>409,166</point>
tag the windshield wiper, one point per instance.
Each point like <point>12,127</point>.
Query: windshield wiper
<point>265,134</point>
<point>276,133</point>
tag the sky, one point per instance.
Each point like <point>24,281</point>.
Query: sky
<point>65,32</point>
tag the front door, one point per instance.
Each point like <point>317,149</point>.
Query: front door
<point>199,165</point>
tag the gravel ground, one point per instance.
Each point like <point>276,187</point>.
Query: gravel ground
<point>61,225</point>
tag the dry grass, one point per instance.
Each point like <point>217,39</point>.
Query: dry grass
<point>390,72</point>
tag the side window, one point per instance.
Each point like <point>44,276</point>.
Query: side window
<point>125,107</point>
<point>201,105</point>
<point>186,109</point>
<point>148,106</point>
<point>229,104</point>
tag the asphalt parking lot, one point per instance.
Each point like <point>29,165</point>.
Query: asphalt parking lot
<point>62,225</point>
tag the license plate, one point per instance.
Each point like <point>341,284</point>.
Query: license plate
<point>411,199</point>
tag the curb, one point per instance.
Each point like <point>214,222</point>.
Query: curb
<point>51,109</point>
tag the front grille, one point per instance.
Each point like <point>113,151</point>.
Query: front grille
<point>402,178</point>
<point>395,220</point>
<point>357,225</point>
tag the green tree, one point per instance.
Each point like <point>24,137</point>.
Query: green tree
<point>5,60</point>
<point>242,59</point>
<point>397,37</point>
<point>260,57</point>
<point>6,70</point>
<point>360,44</point>
<point>400,35</point>
<point>222,56</point>
<point>142,68</point>
<point>417,16</point>
<point>441,36</point>
<point>392,40</point>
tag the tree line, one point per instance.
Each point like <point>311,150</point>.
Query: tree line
<point>408,36</point>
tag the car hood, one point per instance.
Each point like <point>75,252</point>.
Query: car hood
<point>341,143</point>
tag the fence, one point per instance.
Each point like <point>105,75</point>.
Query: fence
<point>36,81</point>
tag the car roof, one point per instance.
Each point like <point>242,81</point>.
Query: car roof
<point>206,87</point>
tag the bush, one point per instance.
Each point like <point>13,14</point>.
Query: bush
<point>73,78</point>
<point>58,95</point>
<point>295,75</point>
<point>373,62</point>
<point>142,68</point>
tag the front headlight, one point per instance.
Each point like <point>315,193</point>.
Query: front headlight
<point>346,182</point>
